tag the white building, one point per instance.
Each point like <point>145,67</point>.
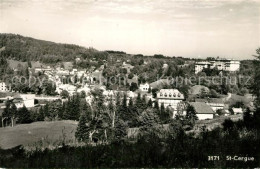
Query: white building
<point>170,97</point>
<point>144,87</point>
<point>221,64</point>
<point>85,88</point>
<point>237,110</point>
<point>69,88</point>
<point>199,66</point>
<point>4,87</point>
<point>214,103</point>
<point>203,111</point>
<point>26,100</point>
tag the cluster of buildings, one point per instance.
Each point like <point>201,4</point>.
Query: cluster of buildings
<point>221,64</point>
<point>169,98</point>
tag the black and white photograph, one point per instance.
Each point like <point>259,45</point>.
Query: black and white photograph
<point>130,83</point>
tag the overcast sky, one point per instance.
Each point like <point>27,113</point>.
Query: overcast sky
<point>189,28</point>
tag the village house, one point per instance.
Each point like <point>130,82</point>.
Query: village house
<point>237,110</point>
<point>170,98</point>
<point>4,87</point>
<point>69,88</point>
<point>26,100</point>
<point>203,111</point>
<point>214,103</point>
<point>144,87</point>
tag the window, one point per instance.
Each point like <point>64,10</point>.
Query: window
<point>170,95</point>
<point>165,95</point>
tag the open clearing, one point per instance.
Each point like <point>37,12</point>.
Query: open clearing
<point>35,134</point>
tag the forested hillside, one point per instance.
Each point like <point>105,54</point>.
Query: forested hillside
<point>22,48</point>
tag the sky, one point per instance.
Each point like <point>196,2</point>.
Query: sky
<point>188,28</point>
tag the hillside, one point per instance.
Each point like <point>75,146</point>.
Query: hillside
<point>38,134</point>
<point>22,48</point>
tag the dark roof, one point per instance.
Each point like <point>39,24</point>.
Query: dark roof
<point>202,108</point>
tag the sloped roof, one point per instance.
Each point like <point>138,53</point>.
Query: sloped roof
<point>68,65</point>
<point>14,63</point>
<point>216,100</point>
<point>210,100</point>
<point>170,93</point>
<point>202,108</point>
<point>37,64</point>
<point>160,83</point>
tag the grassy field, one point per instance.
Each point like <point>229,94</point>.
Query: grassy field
<point>38,134</point>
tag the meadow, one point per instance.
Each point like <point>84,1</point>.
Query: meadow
<point>43,134</point>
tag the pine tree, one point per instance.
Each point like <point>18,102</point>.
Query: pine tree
<point>156,105</point>
<point>46,110</point>
<point>6,112</point>
<point>124,102</point>
<point>191,115</point>
<point>41,114</point>
<point>82,129</point>
<point>150,103</point>
<point>24,116</point>
<point>162,108</point>
<point>131,104</point>
<point>13,113</point>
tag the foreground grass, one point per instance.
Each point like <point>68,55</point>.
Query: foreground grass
<point>38,134</point>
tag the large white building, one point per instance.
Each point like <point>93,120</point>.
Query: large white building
<point>199,66</point>
<point>170,97</point>
<point>221,64</point>
<point>4,87</point>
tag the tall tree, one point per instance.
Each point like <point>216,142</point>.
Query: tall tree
<point>81,132</point>
<point>256,76</point>
<point>24,115</point>
<point>191,116</point>
<point>13,114</point>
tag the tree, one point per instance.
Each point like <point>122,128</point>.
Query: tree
<point>40,114</point>
<point>255,87</point>
<point>82,94</point>
<point>133,87</point>
<point>191,116</point>
<point>140,103</point>
<point>228,125</point>
<point>156,105</point>
<point>6,112</point>
<point>13,114</point>
<point>46,110</point>
<point>48,88</point>
<point>203,93</point>
<point>154,92</point>
<point>24,115</point>
<point>64,94</point>
<point>147,120</point>
<point>162,108</point>
<point>81,131</point>
<point>213,93</point>
<point>150,103</point>
<point>247,117</point>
